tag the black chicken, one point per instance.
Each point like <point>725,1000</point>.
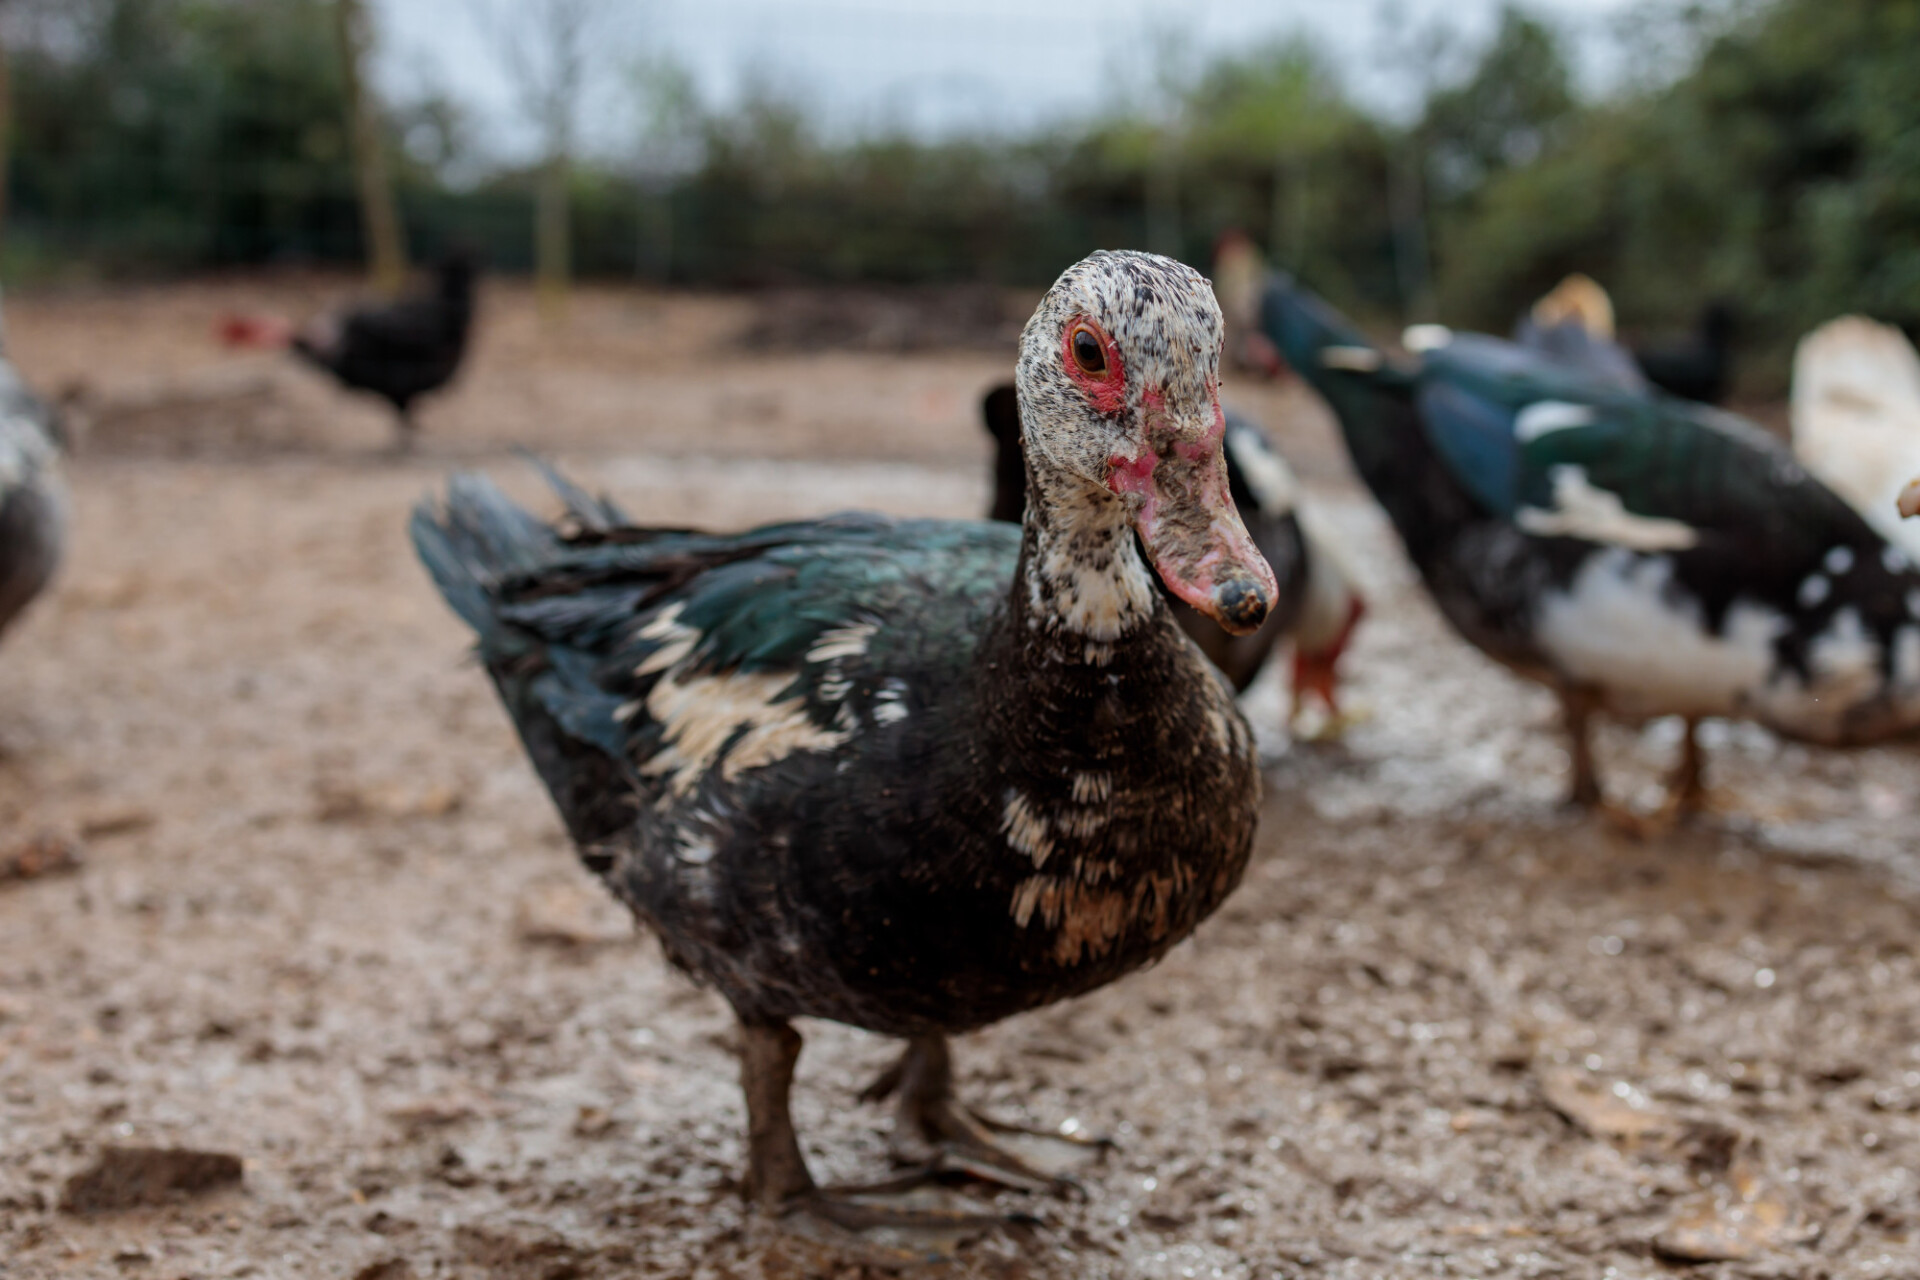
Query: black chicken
<point>398,350</point>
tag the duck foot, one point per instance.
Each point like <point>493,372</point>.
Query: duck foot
<point>1331,725</point>
<point>1687,796</point>
<point>938,1134</point>
<point>900,1222</point>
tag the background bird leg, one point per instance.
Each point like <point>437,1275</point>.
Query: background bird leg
<point>934,1130</point>
<point>1577,705</point>
<point>1686,787</point>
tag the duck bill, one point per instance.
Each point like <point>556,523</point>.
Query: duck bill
<point>1192,532</point>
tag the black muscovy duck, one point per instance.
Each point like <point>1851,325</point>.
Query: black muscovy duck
<point>911,775</point>
<point>1697,366</point>
<point>399,350</point>
<point>1638,555</point>
<point>33,504</point>
<point>1318,605</point>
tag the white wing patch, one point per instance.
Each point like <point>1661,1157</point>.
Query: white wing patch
<point>701,714</point>
<point>1598,515</point>
<point>1352,359</point>
<point>843,642</point>
<point>676,641</point>
<point>1266,473</point>
<point>1543,417</point>
<point>1620,626</point>
<point>889,704</point>
<point>1421,338</point>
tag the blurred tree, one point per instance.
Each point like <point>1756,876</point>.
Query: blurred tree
<point>1780,172</point>
<point>544,46</point>
<point>670,123</point>
<point>1508,112</point>
<point>156,131</point>
<point>380,218</point>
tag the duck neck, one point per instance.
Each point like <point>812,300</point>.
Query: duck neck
<point>1082,588</point>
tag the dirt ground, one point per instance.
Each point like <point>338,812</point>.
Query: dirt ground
<point>324,919</point>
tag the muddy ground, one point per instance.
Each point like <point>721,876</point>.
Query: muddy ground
<point>324,919</point>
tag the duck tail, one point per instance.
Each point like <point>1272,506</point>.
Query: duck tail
<point>597,516</point>
<point>472,542</point>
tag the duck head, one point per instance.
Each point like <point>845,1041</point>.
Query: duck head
<point>1119,393</point>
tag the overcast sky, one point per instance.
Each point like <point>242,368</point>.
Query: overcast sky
<point>933,65</point>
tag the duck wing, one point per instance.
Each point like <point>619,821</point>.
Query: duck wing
<point>1561,452</point>
<point>639,664</point>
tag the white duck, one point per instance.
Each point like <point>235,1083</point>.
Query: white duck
<point>1856,418</point>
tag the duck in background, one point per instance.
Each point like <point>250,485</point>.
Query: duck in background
<point>911,775</point>
<point>1856,418</point>
<point>1239,276</point>
<point>1573,323</point>
<point>1319,604</point>
<point>33,501</point>
<point>1697,366</point>
<point>1639,556</point>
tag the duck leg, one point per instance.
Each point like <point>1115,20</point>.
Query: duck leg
<point>779,1184</point>
<point>1686,786</point>
<point>777,1173</point>
<point>1577,706</point>
<point>940,1134</point>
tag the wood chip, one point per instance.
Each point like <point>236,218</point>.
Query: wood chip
<point>569,914</point>
<point>133,1177</point>
<point>1737,1219</point>
<point>1611,1110</point>
<point>44,855</point>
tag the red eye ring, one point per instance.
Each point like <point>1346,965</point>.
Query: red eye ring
<point>1089,351</point>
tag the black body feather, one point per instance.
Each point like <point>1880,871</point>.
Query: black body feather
<point>405,349</point>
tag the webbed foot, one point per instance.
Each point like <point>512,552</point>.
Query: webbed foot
<point>938,1134</point>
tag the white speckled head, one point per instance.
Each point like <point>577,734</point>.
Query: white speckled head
<point>1119,392</point>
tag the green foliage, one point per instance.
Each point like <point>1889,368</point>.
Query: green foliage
<point>194,131</point>
<point>1773,159</point>
<point>1782,173</point>
<point>1506,114</point>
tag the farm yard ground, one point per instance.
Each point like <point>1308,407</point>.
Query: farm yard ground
<point>324,919</point>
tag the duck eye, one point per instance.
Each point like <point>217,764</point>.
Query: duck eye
<point>1088,353</point>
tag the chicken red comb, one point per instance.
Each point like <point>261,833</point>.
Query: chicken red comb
<point>253,331</point>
